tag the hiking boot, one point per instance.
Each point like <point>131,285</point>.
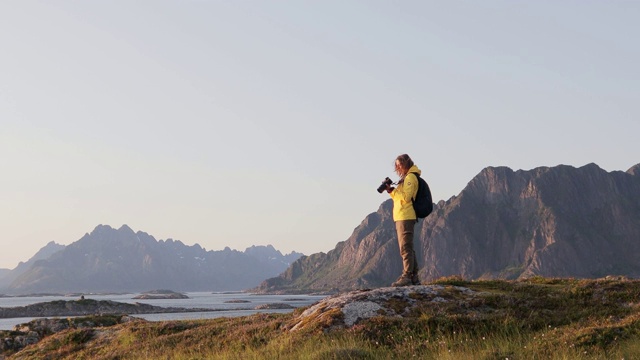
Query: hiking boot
<point>402,281</point>
<point>415,280</point>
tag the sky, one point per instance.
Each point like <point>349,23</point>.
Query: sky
<point>240,123</point>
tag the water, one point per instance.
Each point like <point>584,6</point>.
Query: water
<point>203,300</point>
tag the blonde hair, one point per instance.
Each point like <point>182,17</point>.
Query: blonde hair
<point>406,164</point>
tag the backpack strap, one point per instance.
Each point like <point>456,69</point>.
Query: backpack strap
<point>418,180</point>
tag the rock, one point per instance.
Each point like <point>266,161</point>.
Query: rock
<point>33,331</point>
<point>160,294</point>
<point>88,307</point>
<point>348,309</point>
<point>273,306</point>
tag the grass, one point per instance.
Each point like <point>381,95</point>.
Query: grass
<point>541,318</point>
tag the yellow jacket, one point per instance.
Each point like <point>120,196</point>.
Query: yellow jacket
<point>403,196</point>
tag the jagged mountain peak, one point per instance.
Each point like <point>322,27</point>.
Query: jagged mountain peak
<point>107,237</point>
<point>491,179</point>
<point>102,229</point>
<point>123,260</point>
<point>126,228</point>
<point>499,183</point>
<point>51,248</point>
<point>548,221</point>
<point>268,247</point>
<point>634,170</point>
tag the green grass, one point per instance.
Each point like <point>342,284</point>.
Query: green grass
<point>540,318</point>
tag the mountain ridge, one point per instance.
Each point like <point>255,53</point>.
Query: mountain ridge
<point>548,221</point>
<point>9,276</point>
<point>121,260</point>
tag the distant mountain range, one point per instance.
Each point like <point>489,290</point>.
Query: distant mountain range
<point>550,221</point>
<point>121,260</point>
<point>8,276</point>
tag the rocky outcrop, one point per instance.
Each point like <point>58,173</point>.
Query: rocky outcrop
<point>160,294</point>
<point>550,221</point>
<point>346,310</point>
<point>86,307</point>
<point>453,304</point>
<point>32,332</point>
<point>274,306</point>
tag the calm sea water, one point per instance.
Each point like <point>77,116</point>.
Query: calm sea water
<point>224,302</point>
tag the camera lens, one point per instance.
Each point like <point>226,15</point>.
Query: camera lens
<point>384,185</point>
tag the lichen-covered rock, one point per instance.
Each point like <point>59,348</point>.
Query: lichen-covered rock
<point>348,309</point>
<point>35,330</point>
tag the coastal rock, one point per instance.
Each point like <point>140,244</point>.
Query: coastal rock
<point>348,309</point>
<point>33,331</point>
<point>160,294</point>
<point>273,306</point>
<point>86,307</point>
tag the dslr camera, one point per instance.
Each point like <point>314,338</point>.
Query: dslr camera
<point>384,185</point>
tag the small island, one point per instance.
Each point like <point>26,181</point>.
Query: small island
<point>161,294</point>
<point>274,306</point>
<point>84,307</point>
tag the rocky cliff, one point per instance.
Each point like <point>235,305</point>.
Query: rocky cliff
<point>551,221</point>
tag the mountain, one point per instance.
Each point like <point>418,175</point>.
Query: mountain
<point>8,276</point>
<point>126,261</point>
<point>3,273</point>
<point>272,257</point>
<point>550,221</point>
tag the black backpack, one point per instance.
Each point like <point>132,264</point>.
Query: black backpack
<point>423,203</point>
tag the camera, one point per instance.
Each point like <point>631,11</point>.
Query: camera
<point>384,185</point>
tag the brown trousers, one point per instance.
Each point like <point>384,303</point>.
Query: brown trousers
<point>404,228</point>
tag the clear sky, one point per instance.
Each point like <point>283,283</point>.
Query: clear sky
<point>239,123</point>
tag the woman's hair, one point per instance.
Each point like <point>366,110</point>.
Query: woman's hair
<point>406,163</point>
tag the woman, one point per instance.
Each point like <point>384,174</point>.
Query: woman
<point>405,217</point>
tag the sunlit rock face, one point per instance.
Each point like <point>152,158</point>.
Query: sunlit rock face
<point>551,221</point>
